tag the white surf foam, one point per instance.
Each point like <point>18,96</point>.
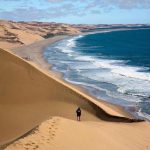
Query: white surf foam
<point>117,67</point>
<point>130,80</point>
<point>109,93</point>
<point>67,45</point>
<point>143,115</point>
<point>127,85</point>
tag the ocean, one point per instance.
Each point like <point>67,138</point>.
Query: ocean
<point>113,65</point>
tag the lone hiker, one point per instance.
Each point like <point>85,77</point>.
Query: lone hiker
<point>78,112</point>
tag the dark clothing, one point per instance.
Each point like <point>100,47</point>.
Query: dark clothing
<point>78,111</point>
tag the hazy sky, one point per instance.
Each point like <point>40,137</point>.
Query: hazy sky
<point>77,11</point>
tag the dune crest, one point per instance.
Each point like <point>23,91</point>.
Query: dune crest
<point>29,96</point>
<point>15,34</point>
<point>59,133</point>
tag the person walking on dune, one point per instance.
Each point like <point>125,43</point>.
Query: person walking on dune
<point>78,112</point>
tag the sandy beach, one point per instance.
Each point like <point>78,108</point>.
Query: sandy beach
<point>35,53</point>
<point>33,97</point>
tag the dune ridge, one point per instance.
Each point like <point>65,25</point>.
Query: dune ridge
<point>28,96</point>
<point>37,108</point>
<point>15,34</point>
<point>60,133</point>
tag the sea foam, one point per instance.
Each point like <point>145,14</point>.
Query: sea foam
<point>91,71</point>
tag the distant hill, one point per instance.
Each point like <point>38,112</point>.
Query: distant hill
<point>14,34</point>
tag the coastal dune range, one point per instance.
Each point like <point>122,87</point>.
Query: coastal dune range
<point>37,105</point>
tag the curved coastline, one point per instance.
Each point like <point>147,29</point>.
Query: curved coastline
<point>129,110</point>
<point>36,71</point>
<point>36,52</point>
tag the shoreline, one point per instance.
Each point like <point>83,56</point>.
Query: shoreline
<point>131,111</point>
<point>35,52</point>
<point>38,104</point>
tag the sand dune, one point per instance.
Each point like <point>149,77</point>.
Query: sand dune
<point>28,96</point>
<point>39,108</point>
<point>63,134</point>
<point>15,34</point>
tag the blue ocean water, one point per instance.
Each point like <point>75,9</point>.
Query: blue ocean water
<point>111,65</point>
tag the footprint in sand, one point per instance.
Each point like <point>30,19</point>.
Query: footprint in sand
<point>51,132</point>
<point>27,144</point>
<point>47,140</point>
<point>32,145</point>
<point>36,147</point>
<point>53,127</point>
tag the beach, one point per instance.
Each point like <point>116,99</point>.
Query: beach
<point>35,52</point>
<point>109,68</point>
<point>33,97</point>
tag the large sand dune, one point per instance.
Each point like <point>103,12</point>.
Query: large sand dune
<point>28,96</point>
<point>31,95</point>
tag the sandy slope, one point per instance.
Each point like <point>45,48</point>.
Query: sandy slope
<point>64,134</point>
<point>35,51</point>
<point>29,96</point>
<point>15,34</point>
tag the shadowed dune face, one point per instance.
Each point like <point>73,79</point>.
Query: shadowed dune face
<point>28,97</point>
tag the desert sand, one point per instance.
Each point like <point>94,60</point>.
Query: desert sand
<point>60,133</point>
<point>39,108</point>
<point>15,34</point>
<point>35,51</point>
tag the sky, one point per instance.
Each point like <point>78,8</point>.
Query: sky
<point>77,11</point>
